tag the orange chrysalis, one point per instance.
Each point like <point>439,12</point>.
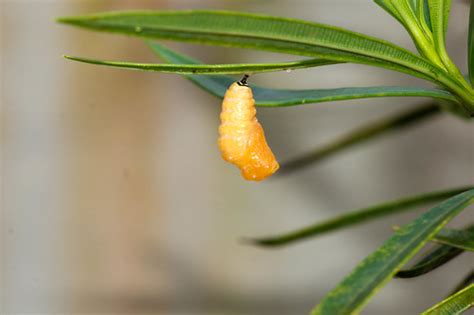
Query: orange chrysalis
<point>241,137</point>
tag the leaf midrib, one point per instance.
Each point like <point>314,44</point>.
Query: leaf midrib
<point>385,278</point>
<point>292,39</point>
<point>353,300</point>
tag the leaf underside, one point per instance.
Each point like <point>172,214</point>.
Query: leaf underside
<point>217,85</point>
<point>244,30</point>
<point>204,69</point>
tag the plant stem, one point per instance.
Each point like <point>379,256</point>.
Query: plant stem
<point>460,88</point>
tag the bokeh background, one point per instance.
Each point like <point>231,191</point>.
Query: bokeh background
<point>115,199</point>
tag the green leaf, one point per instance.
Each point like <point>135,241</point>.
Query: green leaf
<point>413,4</point>
<point>429,34</point>
<point>389,7</point>
<point>434,258</point>
<point>358,136</point>
<point>471,44</point>
<point>426,13</point>
<point>456,238</point>
<point>208,69</point>
<point>373,272</point>
<point>245,30</point>
<point>423,12</point>
<point>409,17</point>
<point>439,16</point>
<point>217,85</point>
<point>358,216</point>
<point>456,304</point>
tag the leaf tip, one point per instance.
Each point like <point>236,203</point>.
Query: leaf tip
<point>248,241</point>
<point>74,58</point>
<point>68,57</point>
<point>260,242</point>
<point>66,20</point>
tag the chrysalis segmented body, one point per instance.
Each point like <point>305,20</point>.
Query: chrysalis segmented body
<point>241,137</point>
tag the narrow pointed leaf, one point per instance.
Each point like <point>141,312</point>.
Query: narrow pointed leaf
<point>405,11</point>
<point>422,38</point>
<point>413,21</point>
<point>207,69</point>
<point>426,13</point>
<point>471,44</point>
<point>358,136</point>
<point>350,296</point>
<point>414,4</point>
<point>388,6</point>
<point>217,85</point>
<point>433,259</point>
<point>245,30</point>
<point>456,238</point>
<point>423,13</point>
<point>439,15</point>
<point>356,217</point>
<point>456,304</point>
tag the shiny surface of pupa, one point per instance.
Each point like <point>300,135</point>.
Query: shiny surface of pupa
<point>241,137</point>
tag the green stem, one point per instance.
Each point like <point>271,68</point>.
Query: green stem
<point>460,88</point>
<point>423,43</point>
<point>435,51</point>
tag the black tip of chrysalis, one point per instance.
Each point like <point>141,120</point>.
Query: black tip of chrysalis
<point>243,81</point>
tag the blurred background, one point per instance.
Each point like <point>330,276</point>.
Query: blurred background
<point>115,198</point>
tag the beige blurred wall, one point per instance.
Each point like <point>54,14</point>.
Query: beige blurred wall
<point>115,199</point>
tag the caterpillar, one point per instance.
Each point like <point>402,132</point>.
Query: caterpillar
<point>241,137</point>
